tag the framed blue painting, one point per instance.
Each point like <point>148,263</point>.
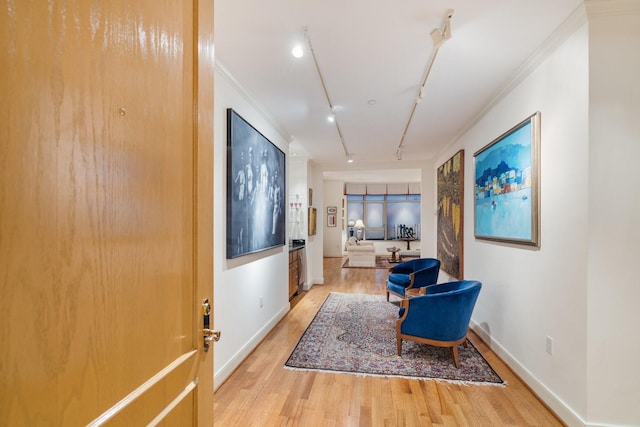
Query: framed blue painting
<point>507,186</point>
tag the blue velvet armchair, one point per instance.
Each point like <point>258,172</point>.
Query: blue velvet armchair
<point>415,273</point>
<point>440,317</point>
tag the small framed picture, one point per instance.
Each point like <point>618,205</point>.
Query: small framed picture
<point>331,220</point>
<point>332,210</point>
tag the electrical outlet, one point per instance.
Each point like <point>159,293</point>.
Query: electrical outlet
<point>549,345</point>
<point>261,302</point>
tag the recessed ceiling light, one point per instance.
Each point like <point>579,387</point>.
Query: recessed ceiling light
<point>371,102</point>
<point>297,51</point>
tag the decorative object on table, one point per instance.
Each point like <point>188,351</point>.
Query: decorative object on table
<point>354,333</point>
<point>359,226</point>
<point>451,215</point>
<point>406,232</point>
<point>255,190</point>
<point>351,224</point>
<point>312,221</point>
<point>415,273</point>
<point>440,317</point>
<point>507,186</point>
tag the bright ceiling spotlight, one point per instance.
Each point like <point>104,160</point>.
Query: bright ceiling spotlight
<point>331,118</point>
<point>349,159</point>
<point>297,51</point>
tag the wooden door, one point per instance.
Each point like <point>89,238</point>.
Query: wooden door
<point>106,110</point>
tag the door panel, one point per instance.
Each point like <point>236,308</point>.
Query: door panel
<point>105,222</point>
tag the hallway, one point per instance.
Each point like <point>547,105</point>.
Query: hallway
<point>263,393</point>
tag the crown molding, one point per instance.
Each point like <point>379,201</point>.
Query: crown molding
<point>599,8</point>
<point>570,25</point>
<point>224,72</point>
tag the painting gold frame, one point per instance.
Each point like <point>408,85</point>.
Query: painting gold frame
<point>313,217</point>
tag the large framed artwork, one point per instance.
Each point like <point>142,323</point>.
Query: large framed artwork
<point>255,190</point>
<point>451,215</point>
<point>507,186</point>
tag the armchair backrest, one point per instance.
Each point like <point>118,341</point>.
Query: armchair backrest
<point>445,311</point>
<point>425,271</point>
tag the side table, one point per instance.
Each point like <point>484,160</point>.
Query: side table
<point>393,258</point>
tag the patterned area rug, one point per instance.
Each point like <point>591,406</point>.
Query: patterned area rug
<point>356,334</point>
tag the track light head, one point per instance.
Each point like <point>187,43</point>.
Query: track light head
<point>441,35</point>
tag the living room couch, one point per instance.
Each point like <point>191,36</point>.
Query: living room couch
<point>361,253</point>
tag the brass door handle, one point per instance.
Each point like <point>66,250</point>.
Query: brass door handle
<point>211,335</point>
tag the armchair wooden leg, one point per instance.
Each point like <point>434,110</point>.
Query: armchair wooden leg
<point>387,296</point>
<point>454,353</point>
<point>399,343</point>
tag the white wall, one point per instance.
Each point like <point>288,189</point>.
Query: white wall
<point>333,242</point>
<point>297,192</point>
<point>529,293</point>
<point>578,287</point>
<point>614,211</point>
<point>314,243</point>
<point>239,284</point>
<point>429,214</point>
<point>301,179</point>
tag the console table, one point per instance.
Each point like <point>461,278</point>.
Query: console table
<point>408,240</point>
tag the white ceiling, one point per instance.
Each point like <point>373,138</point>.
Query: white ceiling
<point>377,50</point>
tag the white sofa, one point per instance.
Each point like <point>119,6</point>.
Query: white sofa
<point>361,253</point>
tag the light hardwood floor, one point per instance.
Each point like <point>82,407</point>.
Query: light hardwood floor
<point>262,393</point>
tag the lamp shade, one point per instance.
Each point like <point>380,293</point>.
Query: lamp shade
<point>351,223</point>
<point>359,224</point>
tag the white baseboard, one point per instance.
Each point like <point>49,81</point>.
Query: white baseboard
<point>560,408</point>
<point>220,376</point>
<point>316,281</point>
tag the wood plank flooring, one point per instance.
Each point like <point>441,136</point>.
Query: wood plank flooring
<point>262,393</point>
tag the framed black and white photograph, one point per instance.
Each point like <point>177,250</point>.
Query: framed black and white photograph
<point>255,190</point>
